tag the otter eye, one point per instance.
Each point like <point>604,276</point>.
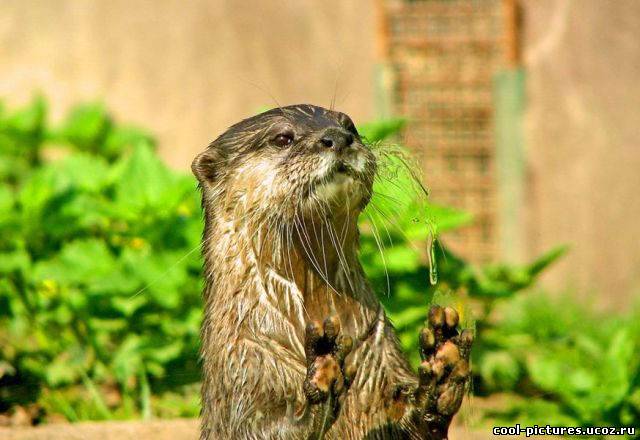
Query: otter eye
<point>283,139</point>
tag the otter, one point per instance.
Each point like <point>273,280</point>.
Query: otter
<point>295,343</point>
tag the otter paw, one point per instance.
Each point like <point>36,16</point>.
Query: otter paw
<point>325,349</point>
<point>444,372</point>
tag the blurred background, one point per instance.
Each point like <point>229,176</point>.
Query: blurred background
<point>523,116</point>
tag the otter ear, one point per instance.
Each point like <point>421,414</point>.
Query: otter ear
<point>207,165</point>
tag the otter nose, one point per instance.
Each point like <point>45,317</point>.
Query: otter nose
<point>336,139</point>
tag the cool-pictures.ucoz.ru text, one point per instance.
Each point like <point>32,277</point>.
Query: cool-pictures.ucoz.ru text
<point>537,430</point>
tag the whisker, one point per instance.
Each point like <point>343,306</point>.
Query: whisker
<point>381,250</point>
<point>303,236</point>
<point>169,269</point>
<point>341,257</point>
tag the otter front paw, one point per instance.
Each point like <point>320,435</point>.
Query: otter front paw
<point>326,379</point>
<point>444,372</point>
<point>325,349</point>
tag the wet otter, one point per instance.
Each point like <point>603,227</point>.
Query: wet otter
<point>295,343</point>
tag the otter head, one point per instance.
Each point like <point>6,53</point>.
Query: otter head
<point>289,162</point>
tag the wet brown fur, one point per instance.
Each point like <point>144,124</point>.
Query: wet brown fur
<point>276,258</point>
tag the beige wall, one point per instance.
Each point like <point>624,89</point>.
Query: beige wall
<point>188,69</point>
<point>583,141</point>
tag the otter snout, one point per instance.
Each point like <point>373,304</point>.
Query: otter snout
<point>336,139</point>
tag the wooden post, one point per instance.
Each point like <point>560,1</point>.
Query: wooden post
<point>509,102</point>
<point>382,31</point>
<point>511,13</point>
<point>383,75</point>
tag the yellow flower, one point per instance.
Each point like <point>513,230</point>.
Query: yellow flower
<point>137,243</point>
<point>184,210</point>
<point>49,285</point>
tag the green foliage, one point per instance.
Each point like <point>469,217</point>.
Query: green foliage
<point>99,264</point>
<point>21,136</point>
<point>563,363</point>
<point>100,281</point>
<point>90,128</point>
<point>379,131</point>
<point>570,365</point>
<point>403,257</point>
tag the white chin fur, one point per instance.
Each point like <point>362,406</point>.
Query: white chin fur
<point>341,187</point>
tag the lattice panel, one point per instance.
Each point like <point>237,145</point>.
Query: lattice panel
<point>444,55</point>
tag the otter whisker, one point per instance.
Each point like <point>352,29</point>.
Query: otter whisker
<point>286,237</point>
<point>341,256</point>
<point>345,224</point>
<point>397,226</point>
<point>169,269</point>
<point>304,237</point>
<point>386,196</point>
<point>393,154</point>
<point>335,84</point>
<point>338,248</point>
<point>317,208</point>
<point>336,244</point>
<point>304,228</point>
<point>381,216</point>
<point>380,245</point>
<point>288,244</point>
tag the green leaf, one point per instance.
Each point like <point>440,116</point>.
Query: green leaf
<point>129,305</point>
<point>446,218</point>
<point>75,173</point>
<point>121,139</point>
<point>18,260</point>
<point>38,189</point>
<point>143,181</point>
<point>546,373</point>
<point>86,127</point>
<point>166,352</point>
<point>400,259</point>
<point>30,119</point>
<point>7,200</point>
<point>127,361</point>
<point>618,359</point>
<point>581,381</point>
<point>408,317</point>
<point>537,412</point>
<point>161,276</point>
<point>58,371</point>
<point>499,370</point>
<point>546,260</point>
<point>82,172</point>
<point>68,366</point>
<point>81,261</point>
<point>380,130</point>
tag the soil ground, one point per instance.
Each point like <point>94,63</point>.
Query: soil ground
<point>178,429</point>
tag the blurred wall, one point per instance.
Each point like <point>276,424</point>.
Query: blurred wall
<point>582,129</point>
<point>187,70</point>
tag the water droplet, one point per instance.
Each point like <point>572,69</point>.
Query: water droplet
<point>433,266</point>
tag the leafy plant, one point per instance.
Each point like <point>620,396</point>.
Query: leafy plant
<point>408,265</point>
<point>100,269</point>
<point>99,262</point>
<point>570,365</point>
<point>562,363</point>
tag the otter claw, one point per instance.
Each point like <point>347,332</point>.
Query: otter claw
<point>444,372</point>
